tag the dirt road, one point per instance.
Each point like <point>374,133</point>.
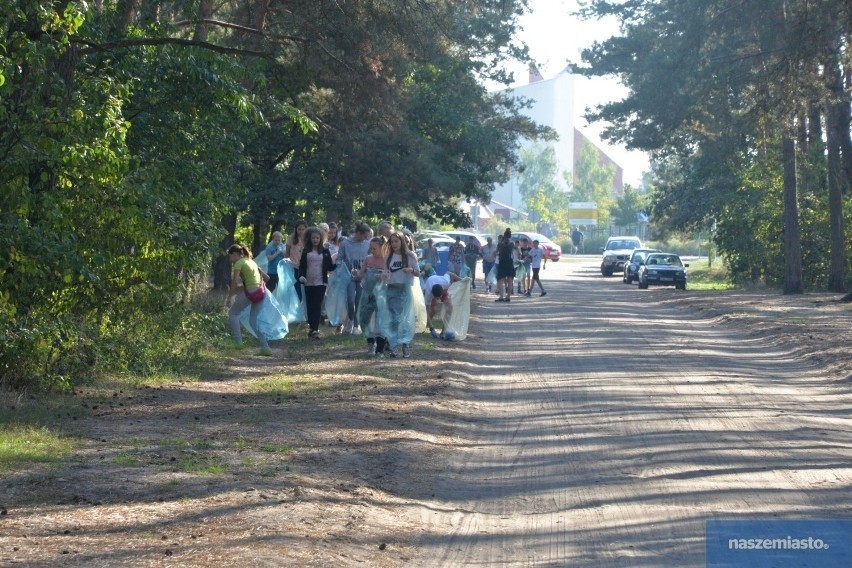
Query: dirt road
<point>600,425</point>
<point>603,425</point>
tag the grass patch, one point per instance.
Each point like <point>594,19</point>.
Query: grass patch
<point>204,465</point>
<point>276,449</point>
<point>288,386</point>
<point>702,276</point>
<point>127,460</point>
<point>24,445</point>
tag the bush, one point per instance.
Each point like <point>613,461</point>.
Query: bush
<point>44,351</point>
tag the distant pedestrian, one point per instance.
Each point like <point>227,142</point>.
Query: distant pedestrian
<point>536,255</point>
<point>430,253</point>
<point>505,267</point>
<point>489,258</point>
<point>526,281</point>
<point>471,256</point>
<point>577,240</point>
<point>455,258</point>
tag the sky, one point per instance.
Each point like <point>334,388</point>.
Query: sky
<point>555,38</point>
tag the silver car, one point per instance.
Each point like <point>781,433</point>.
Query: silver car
<point>616,253</point>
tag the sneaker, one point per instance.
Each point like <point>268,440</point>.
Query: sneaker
<point>543,293</point>
<point>314,335</point>
<point>348,327</point>
<point>528,294</point>
<point>500,299</point>
<point>265,351</point>
<point>371,349</point>
<point>356,330</point>
<point>406,352</point>
<point>393,352</point>
<point>433,333</point>
<point>508,299</point>
<point>472,286</point>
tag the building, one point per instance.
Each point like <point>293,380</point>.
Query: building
<point>553,106</point>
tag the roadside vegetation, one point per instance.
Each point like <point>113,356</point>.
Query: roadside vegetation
<point>704,275</point>
<point>140,140</point>
<point>41,431</point>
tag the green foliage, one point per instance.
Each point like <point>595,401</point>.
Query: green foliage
<point>128,138</point>
<point>628,206</point>
<point>704,276</point>
<point>593,181</point>
<point>714,87</point>
<point>539,187</point>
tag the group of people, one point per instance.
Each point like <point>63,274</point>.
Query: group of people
<point>517,259</point>
<point>508,260</point>
<point>380,277</point>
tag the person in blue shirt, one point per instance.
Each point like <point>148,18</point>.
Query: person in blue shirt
<point>274,253</point>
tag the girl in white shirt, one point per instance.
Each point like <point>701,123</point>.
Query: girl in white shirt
<point>402,270</point>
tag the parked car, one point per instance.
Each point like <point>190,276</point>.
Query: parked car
<point>631,267</point>
<point>552,251</point>
<point>439,240</point>
<point>662,269</point>
<point>465,235</point>
<point>617,252</point>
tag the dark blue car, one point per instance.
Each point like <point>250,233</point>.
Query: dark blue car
<point>662,269</point>
<point>631,268</point>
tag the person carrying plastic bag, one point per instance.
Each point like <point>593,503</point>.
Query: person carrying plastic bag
<point>448,297</point>
<point>397,310</point>
<point>250,279</point>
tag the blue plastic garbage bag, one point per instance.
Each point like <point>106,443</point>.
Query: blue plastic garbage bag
<point>443,261</point>
<point>396,316</point>
<point>293,308</point>
<point>270,321</point>
<point>491,280</point>
<point>262,262</point>
<point>337,295</point>
<point>368,305</point>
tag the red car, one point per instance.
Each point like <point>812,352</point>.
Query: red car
<point>552,251</point>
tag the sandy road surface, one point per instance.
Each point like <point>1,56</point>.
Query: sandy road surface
<point>602,425</point>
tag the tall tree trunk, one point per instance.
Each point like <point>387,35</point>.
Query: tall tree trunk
<point>835,123</point>
<point>221,265</point>
<point>202,29</point>
<point>792,240</point>
<point>846,124</point>
<point>259,241</point>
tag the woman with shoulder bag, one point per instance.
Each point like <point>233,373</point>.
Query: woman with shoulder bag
<point>250,278</point>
